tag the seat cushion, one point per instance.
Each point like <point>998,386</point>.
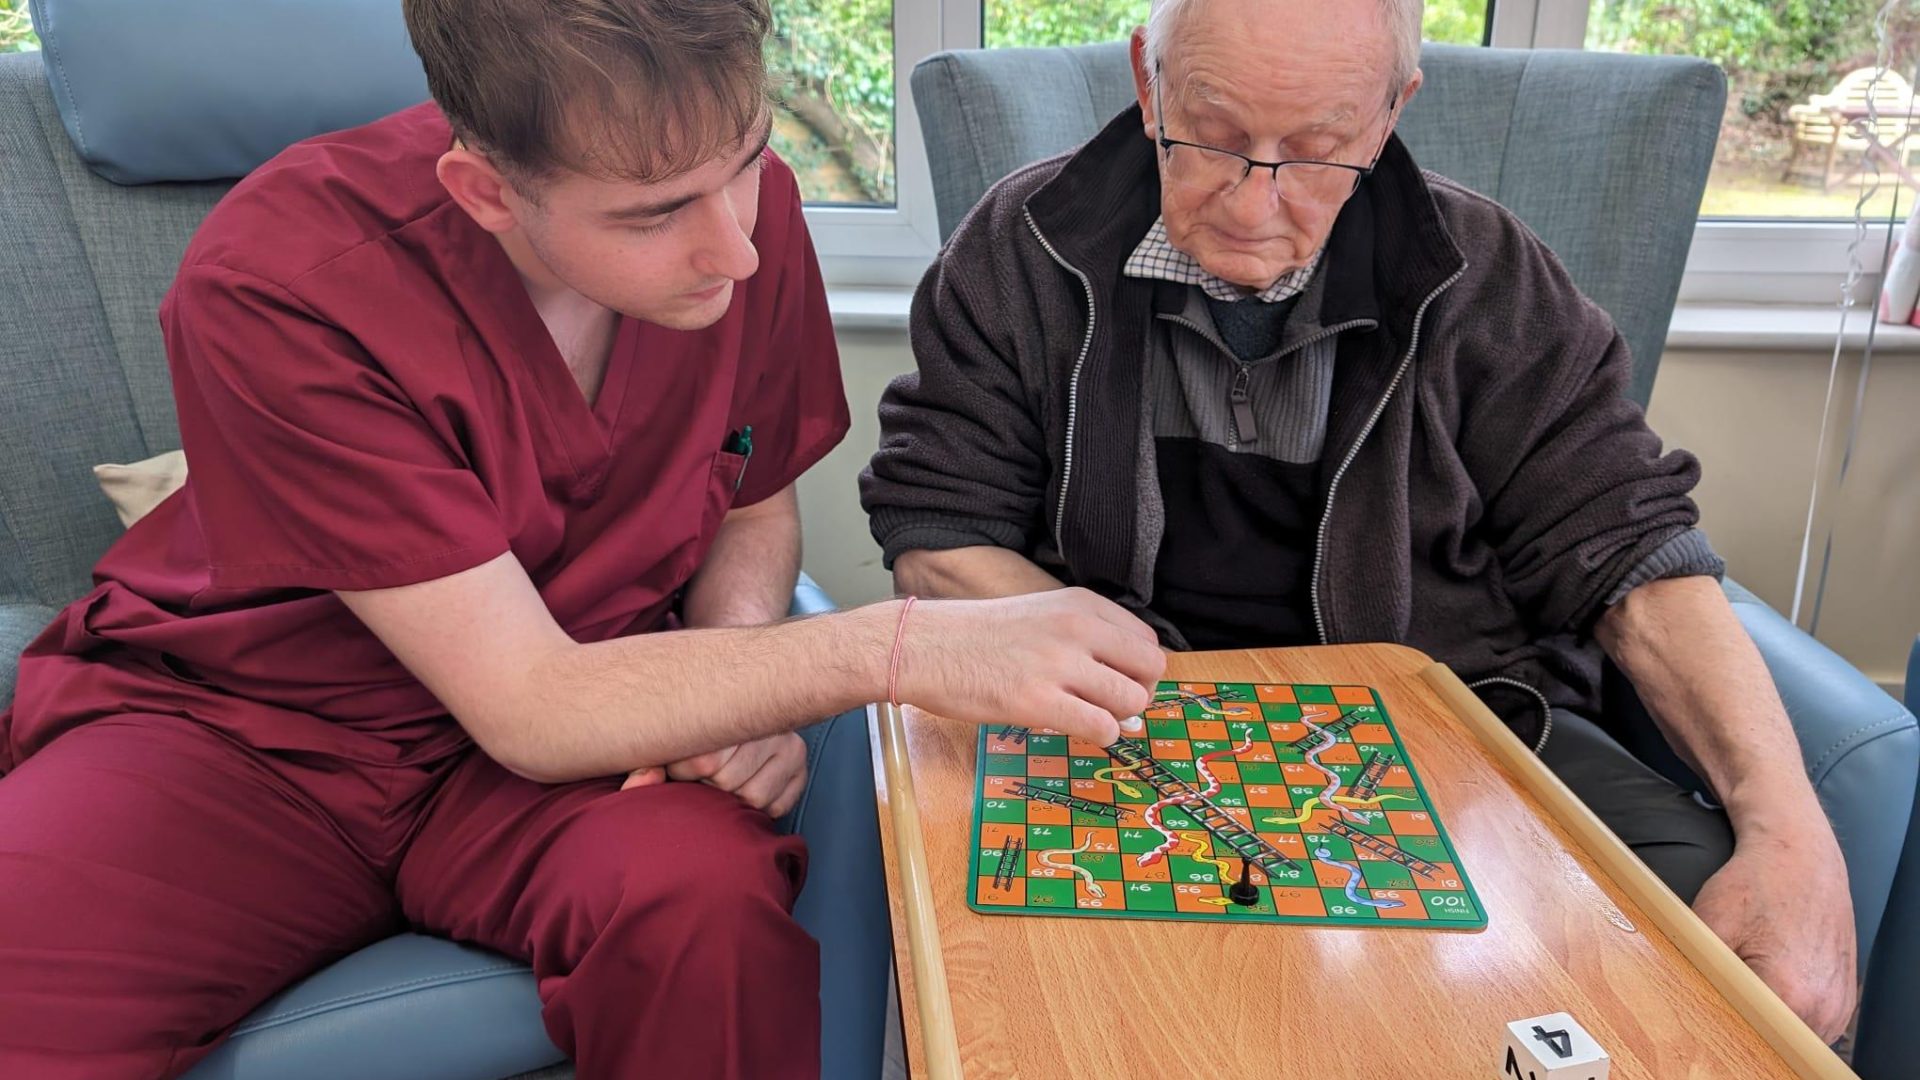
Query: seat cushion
<point>407,1008</point>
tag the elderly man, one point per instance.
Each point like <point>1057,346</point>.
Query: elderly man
<point>1239,365</point>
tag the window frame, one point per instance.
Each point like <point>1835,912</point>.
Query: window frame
<point>1764,260</point>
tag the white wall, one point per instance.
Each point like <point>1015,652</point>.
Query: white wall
<point>1753,418</point>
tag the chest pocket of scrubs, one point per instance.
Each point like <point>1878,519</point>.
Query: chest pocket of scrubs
<point>729,469</point>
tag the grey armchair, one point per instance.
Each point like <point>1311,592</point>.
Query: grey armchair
<point>1605,156</point>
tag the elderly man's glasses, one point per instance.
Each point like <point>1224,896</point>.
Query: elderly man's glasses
<point>1220,172</point>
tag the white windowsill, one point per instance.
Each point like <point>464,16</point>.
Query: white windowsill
<point>1696,326</point>
<point>1782,328</point>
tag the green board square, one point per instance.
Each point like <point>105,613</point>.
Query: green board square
<point>1262,825</point>
<point>1051,783</point>
<point>1045,837</point>
<point>1337,848</point>
<point>1386,875</point>
<point>1138,841</point>
<point>1083,768</point>
<point>1208,746</point>
<point>1316,695</point>
<point>1186,870</point>
<point>1174,818</point>
<point>1103,865</point>
<point>1363,714</point>
<point>1092,821</point>
<point>1260,772</point>
<point>1427,847</point>
<point>1143,794</point>
<point>1340,907</point>
<point>1046,745</point>
<point>1296,876</point>
<point>1004,811</point>
<point>989,861</point>
<point>1148,896</point>
<point>1371,822</point>
<point>1231,795</point>
<point>1454,906</point>
<point>1280,712</point>
<point>1050,892</point>
<point>1158,728</point>
<point>1006,765</point>
<point>1182,769</point>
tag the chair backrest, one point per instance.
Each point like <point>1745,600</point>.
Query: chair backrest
<point>82,370</point>
<point>1604,155</point>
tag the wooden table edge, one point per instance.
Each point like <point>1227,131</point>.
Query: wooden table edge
<point>1751,998</point>
<point>935,1043</point>
<point>935,1040</point>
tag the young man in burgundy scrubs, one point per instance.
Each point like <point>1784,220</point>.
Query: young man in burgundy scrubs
<point>477,400</point>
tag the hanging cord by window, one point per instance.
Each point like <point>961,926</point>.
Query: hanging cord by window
<point>1855,270</point>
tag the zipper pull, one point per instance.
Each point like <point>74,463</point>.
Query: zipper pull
<point>1244,428</point>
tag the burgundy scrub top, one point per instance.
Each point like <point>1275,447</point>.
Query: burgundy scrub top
<point>367,398</point>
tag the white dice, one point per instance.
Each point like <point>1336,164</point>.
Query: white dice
<point>1551,1047</point>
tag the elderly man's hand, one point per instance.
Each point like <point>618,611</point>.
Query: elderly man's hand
<point>1781,903</point>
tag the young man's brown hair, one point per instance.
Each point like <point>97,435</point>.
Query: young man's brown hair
<point>636,90</point>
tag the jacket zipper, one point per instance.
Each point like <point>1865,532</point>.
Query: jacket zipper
<point>1244,429</point>
<point>1333,486</point>
<point>1245,425</point>
<point>1546,708</point>
<point>1073,385</point>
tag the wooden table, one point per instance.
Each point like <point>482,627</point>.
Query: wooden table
<point>1575,923</point>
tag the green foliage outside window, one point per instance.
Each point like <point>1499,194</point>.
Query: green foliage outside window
<point>16,32</point>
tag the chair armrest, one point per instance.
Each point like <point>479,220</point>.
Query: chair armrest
<point>810,599</point>
<point>1861,747</point>
<point>19,624</point>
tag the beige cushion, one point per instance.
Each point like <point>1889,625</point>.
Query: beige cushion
<point>137,488</point>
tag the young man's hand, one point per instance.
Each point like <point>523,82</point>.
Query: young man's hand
<point>767,774</point>
<point>1069,660</point>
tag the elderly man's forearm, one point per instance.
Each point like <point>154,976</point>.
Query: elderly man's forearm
<point>970,573</point>
<point>1707,687</point>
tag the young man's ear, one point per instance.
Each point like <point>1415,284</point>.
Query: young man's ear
<point>478,187</point>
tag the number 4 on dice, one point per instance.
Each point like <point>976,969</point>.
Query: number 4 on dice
<point>1551,1047</point>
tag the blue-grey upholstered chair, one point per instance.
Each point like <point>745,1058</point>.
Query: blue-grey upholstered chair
<point>1605,156</point>
<point>1888,1041</point>
<point>83,378</point>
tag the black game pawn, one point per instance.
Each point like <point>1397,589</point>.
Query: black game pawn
<point>1244,892</point>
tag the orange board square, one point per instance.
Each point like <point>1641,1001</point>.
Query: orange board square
<point>1094,790</point>
<point>1353,695</point>
<point>1330,877</point>
<point>998,745</point>
<point>1168,711</point>
<point>1286,731</point>
<point>1131,870</point>
<point>1267,795</point>
<point>1226,771</point>
<point>1371,734</point>
<point>1397,776</point>
<point>1206,729</point>
<point>1410,906</point>
<point>1260,751</point>
<point>1280,695</point>
<point>1112,895</point>
<point>1172,749</point>
<point>1302,902</point>
<point>1191,898</point>
<point>1292,845</point>
<point>986,895</point>
<point>1411,822</point>
<point>1240,814</point>
<point>1295,772</point>
<point>1099,840</point>
<point>1239,711</point>
<point>1041,813</point>
<point>1038,869</point>
<point>1444,877</point>
<point>1001,787</point>
<point>1203,689</point>
<point>1077,747</point>
<point>994,833</point>
<point>1320,713</point>
<point>1047,766</point>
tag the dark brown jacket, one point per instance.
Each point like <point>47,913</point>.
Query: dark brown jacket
<point>1488,488</point>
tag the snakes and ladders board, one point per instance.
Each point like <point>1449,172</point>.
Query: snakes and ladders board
<point>1244,802</point>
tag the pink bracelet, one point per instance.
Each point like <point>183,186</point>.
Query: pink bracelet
<point>893,666</point>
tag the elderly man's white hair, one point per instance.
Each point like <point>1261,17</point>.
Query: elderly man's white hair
<point>1403,21</point>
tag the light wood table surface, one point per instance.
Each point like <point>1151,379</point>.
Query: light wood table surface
<point>1575,923</point>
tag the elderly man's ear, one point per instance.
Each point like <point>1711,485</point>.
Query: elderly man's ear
<point>1137,49</point>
